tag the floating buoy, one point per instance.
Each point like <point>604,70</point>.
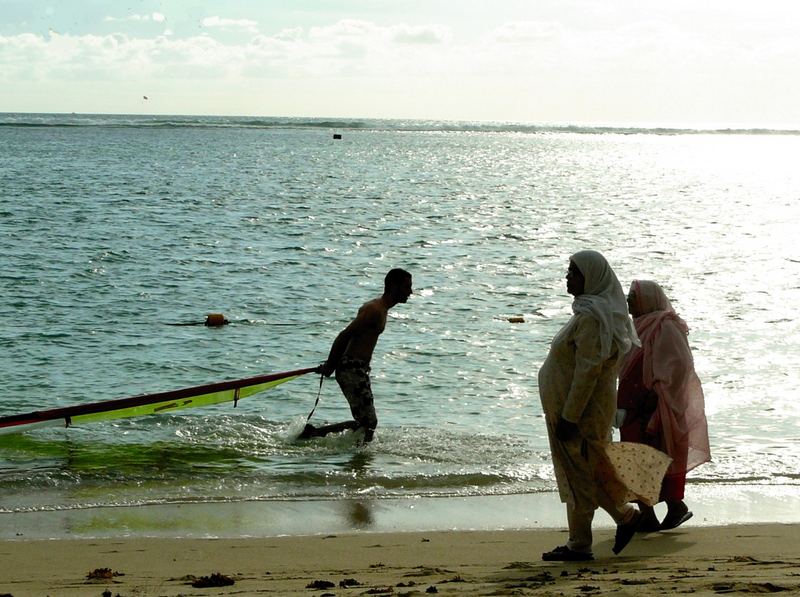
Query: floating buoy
<point>337,136</point>
<point>216,319</point>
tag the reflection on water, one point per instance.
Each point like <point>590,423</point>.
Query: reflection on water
<point>360,461</point>
<point>359,514</point>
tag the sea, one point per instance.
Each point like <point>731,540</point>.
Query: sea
<point>114,229</point>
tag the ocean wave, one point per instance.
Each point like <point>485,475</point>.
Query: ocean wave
<point>25,120</point>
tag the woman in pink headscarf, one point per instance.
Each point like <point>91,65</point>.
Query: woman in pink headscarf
<point>662,398</point>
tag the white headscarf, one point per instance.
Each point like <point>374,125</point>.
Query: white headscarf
<point>604,300</point>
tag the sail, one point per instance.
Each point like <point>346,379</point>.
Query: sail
<point>148,404</point>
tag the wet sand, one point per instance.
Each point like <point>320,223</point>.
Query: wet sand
<point>713,505</point>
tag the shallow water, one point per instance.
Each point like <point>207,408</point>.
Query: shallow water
<point>112,229</point>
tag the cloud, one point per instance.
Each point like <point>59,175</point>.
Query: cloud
<point>523,32</point>
<point>229,24</point>
<point>110,19</point>
<point>112,57</point>
<point>347,48</point>
<point>366,32</point>
<point>358,48</point>
<point>353,47</point>
<point>156,17</point>
<point>425,34</point>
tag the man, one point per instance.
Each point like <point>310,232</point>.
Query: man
<point>351,353</point>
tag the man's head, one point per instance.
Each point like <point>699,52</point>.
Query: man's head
<point>397,285</point>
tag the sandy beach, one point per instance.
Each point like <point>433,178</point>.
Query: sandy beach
<point>760,558</point>
<point>470,546</point>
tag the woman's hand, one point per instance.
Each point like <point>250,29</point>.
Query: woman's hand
<point>650,402</point>
<point>566,430</point>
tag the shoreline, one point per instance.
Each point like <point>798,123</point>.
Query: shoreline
<point>702,561</point>
<point>713,505</point>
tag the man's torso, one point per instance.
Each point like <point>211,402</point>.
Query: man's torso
<point>362,346</point>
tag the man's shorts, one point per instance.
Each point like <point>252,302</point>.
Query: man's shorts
<point>352,375</point>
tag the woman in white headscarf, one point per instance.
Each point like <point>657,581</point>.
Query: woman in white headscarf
<point>577,387</point>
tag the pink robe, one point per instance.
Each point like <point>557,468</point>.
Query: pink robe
<point>661,392</point>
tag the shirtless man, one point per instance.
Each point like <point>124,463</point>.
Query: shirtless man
<point>351,354</point>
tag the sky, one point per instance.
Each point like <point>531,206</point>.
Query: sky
<point>618,62</point>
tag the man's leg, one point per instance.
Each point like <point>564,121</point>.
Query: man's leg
<point>355,385</point>
<point>353,379</point>
<point>312,431</point>
<point>346,386</point>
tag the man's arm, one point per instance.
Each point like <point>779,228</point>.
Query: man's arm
<point>337,349</point>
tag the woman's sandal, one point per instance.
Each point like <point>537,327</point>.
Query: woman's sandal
<point>625,532</point>
<point>672,522</point>
<point>565,554</point>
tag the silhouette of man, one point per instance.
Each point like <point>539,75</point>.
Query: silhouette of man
<point>351,353</point>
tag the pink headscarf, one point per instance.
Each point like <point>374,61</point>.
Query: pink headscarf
<point>668,368</point>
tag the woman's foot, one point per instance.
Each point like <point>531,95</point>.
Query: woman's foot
<point>677,514</point>
<point>565,554</point>
<point>625,532</point>
<point>649,522</point>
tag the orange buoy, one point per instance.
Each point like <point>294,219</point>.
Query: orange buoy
<point>215,319</point>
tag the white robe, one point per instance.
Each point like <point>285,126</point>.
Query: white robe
<point>578,384</point>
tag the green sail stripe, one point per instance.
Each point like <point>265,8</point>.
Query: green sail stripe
<point>179,403</point>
